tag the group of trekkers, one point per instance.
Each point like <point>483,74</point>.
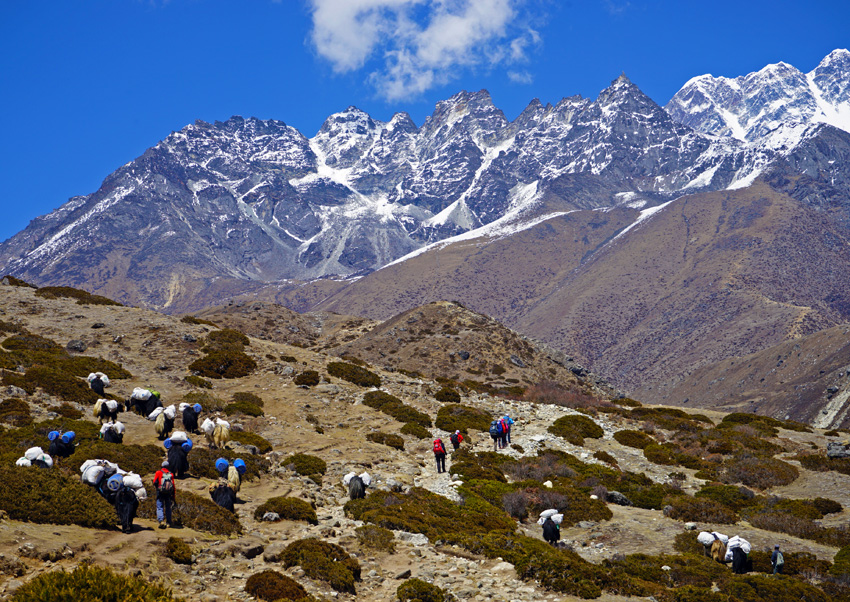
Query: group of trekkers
<point>736,550</point>
<point>500,431</point>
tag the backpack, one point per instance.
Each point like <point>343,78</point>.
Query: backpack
<point>454,439</point>
<point>166,484</point>
<point>495,428</point>
<point>438,446</point>
<point>780,559</point>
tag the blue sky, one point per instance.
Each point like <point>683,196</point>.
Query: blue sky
<point>88,86</point>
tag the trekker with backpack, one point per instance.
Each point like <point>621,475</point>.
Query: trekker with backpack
<point>509,424</point>
<point>504,436</point>
<point>777,560</point>
<point>456,439</point>
<point>166,489</point>
<point>440,455</point>
<point>496,434</point>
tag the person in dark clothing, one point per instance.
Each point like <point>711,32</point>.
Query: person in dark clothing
<point>551,531</point>
<point>739,561</point>
<point>777,560</point>
<point>440,455</point>
<point>356,488</point>
<point>126,504</point>
<point>456,439</point>
<point>166,494</point>
<point>223,495</point>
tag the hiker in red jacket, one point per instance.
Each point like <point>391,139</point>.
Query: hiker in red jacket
<point>440,455</point>
<point>163,482</point>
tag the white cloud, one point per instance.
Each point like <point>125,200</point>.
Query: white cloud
<point>410,46</point>
<point>520,77</point>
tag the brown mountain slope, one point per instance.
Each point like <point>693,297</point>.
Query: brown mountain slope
<point>806,379</point>
<point>446,340</point>
<point>500,277</point>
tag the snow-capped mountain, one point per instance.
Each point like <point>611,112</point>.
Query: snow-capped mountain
<point>773,105</point>
<point>224,207</point>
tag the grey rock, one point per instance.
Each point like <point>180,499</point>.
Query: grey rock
<point>13,391</point>
<point>248,549</point>
<point>404,575</point>
<point>834,449</point>
<point>516,361</point>
<point>464,355</point>
<point>615,497</point>
<point>98,325</point>
<point>416,539</point>
<point>76,345</point>
<point>189,338</point>
<point>587,524</point>
<point>273,551</point>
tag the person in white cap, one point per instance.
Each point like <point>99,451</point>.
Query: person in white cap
<point>456,439</point>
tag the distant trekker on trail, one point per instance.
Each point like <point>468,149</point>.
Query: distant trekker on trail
<point>509,425</point>
<point>496,434</point>
<point>440,455</point>
<point>777,560</point>
<point>456,439</point>
<point>163,482</point>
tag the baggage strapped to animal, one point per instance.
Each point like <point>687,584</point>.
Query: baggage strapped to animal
<point>119,427</point>
<point>170,412</point>
<point>23,462</point>
<point>132,480</point>
<point>33,453</point>
<point>705,538</point>
<point>220,422</point>
<point>347,478</point>
<point>186,445</point>
<point>182,407</point>
<point>208,426</point>
<point>179,437</point>
<point>155,414</point>
<point>141,494</point>
<point>139,393</point>
<point>100,375</point>
<point>736,542</point>
<point>111,405</point>
<point>115,482</point>
<point>366,478</point>
<point>221,465</point>
<point>66,437</point>
<point>556,517</point>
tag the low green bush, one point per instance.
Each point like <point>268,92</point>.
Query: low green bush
<point>227,362</point>
<point>45,496</point>
<point>470,466</point>
<point>226,337</point>
<point>82,297</point>
<point>416,590</point>
<point>248,397</point>
<point>323,561</point>
<point>575,427</point>
<point>841,563</point>
<point>627,402</point>
<point>249,438</point>
<point>54,382</point>
<point>12,281</point>
<point>178,550</point>
<point>730,496</point>
<point>376,538</point>
<point>243,407</point>
<point>389,439</point>
<point>199,382</point>
<point>636,439</point>
<point>308,378</point>
<point>604,456</point>
<point>415,430</point>
<point>822,463</point>
<point>91,584</point>
<point>209,402</point>
<point>447,395</point>
<point>753,471</point>
<point>776,588</point>
<point>463,418</point>
<point>827,506</point>
<point>197,321</point>
<point>354,374</point>
<point>806,528</point>
<point>305,464</point>
<point>66,410</point>
<point>290,359</point>
<point>193,511</point>
<point>18,440</point>
<point>272,585</point>
<point>420,511</point>
<point>15,411</point>
<point>289,508</point>
<point>393,406</point>
<point>702,510</point>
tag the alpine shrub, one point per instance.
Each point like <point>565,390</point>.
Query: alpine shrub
<point>289,508</point>
<point>416,590</point>
<point>447,395</point>
<point>178,550</point>
<point>90,583</point>
<point>305,464</point>
<point>272,585</point>
<point>354,374</point>
<point>15,411</point>
<point>376,538</point>
<point>308,378</point>
<point>389,439</point>
<point>243,407</point>
<point>248,438</point>
<point>227,362</point>
<point>195,512</point>
<point>415,430</point>
<point>82,297</point>
<point>636,439</point>
<point>324,561</point>
<point>393,406</point>
<point>197,321</point>
<point>463,418</point>
<point>199,382</point>
<point>248,397</point>
<point>574,428</point>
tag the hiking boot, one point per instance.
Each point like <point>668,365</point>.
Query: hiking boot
<point>162,525</point>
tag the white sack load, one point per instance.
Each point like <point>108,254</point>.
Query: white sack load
<point>179,437</point>
<point>33,453</point>
<point>155,414</point>
<point>133,481</point>
<point>721,537</point>
<point>728,557</point>
<point>139,393</point>
<point>183,405</point>
<point>119,427</point>
<point>23,462</point>
<point>105,427</point>
<point>111,405</point>
<point>104,378</point>
<point>739,542</point>
<point>557,518</point>
<point>705,538</point>
<point>91,376</point>
<point>110,468</point>
<point>547,514</point>
<point>170,412</point>
<point>141,494</point>
<point>208,426</point>
<point>93,475</point>
<point>366,478</point>
<point>220,422</point>
<point>46,459</point>
<point>347,478</point>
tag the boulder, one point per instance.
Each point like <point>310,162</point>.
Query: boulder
<point>273,551</point>
<point>76,345</point>
<point>615,497</point>
<point>837,450</point>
